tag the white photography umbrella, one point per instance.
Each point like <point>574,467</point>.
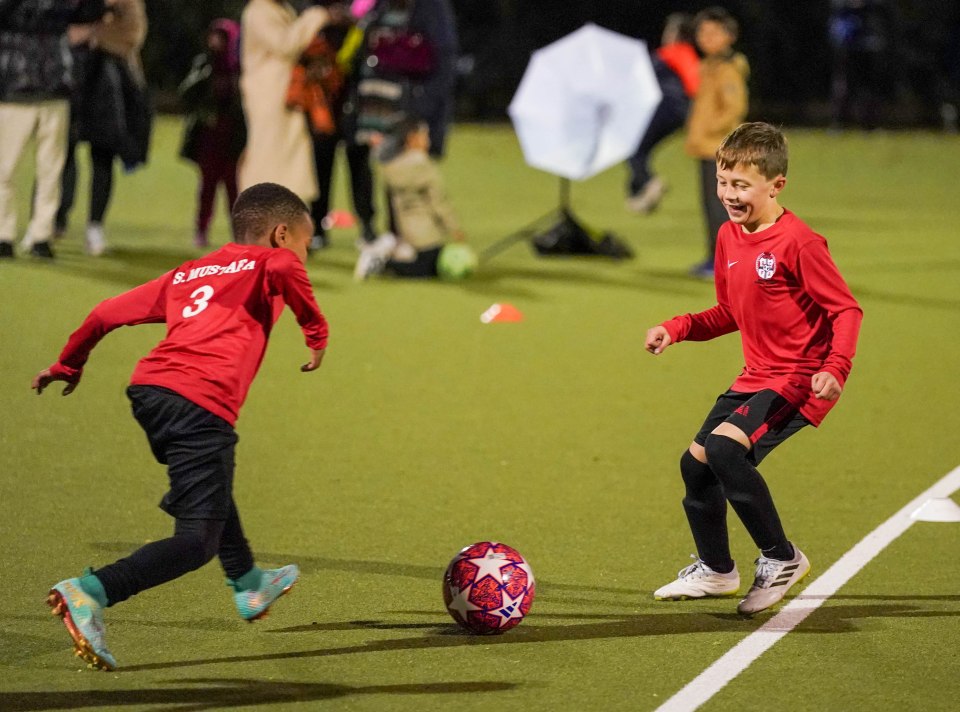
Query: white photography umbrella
<point>582,106</point>
<point>585,102</point>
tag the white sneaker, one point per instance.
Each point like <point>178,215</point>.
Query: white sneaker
<point>368,264</point>
<point>774,578</point>
<point>374,255</point>
<point>649,197</point>
<point>384,244</point>
<point>96,240</point>
<point>699,581</point>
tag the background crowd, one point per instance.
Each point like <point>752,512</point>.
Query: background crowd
<point>274,91</point>
<point>914,46</point>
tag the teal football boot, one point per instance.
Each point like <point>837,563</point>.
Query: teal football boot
<point>254,604</point>
<point>83,617</point>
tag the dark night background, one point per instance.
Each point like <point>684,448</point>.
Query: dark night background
<point>917,73</point>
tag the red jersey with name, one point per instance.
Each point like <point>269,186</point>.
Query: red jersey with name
<point>796,316</point>
<point>219,311</point>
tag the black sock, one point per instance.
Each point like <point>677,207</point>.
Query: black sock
<point>780,552</point>
<point>747,493</point>
<point>706,510</point>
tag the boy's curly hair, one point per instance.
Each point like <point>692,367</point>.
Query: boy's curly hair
<point>755,143</point>
<point>261,207</point>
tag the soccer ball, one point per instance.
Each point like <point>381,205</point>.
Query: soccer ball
<point>488,588</point>
<point>456,261</point>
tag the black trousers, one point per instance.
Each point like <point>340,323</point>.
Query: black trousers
<point>361,178</point>
<point>101,184</point>
<point>713,211</point>
<point>198,449</point>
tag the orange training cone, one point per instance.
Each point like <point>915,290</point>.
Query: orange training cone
<point>502,312</point>
<point>339,218</point>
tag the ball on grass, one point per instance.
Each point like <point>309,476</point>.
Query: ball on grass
<point>456,261</point>
<point>488,588</point>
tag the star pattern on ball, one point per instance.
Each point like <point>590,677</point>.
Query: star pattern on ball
<point>461,603</point>
<point>490,564</point>
<point>509,610</point>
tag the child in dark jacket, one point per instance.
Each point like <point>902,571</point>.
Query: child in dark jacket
<point>215,132</point>
<point>677,68</point>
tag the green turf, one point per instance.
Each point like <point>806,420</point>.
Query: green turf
<point>426,430</point>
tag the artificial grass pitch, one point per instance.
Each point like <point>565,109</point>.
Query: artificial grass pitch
<point>426,430</point>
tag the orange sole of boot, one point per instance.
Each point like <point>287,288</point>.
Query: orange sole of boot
<point>266,611</point>
<point>81,646</point>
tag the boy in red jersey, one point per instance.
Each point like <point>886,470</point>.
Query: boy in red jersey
<point>186,395</point>
<point>777,284</point>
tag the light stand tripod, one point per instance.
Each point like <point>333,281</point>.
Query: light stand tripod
<point>549,222</point>
<point>559,232</point>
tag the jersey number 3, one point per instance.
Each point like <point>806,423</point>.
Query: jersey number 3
<point>201,300</point>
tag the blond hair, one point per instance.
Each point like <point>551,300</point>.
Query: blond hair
<point>758,144</point>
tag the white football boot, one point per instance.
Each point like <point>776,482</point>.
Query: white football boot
<point>774,578</point>
<point>699,581</point>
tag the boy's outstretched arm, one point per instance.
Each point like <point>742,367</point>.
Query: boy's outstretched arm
<point>288,278</point>
<point>702,326</point>
<point>142,305</point>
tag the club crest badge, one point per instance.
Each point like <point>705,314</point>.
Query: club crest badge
<point>766,265</point>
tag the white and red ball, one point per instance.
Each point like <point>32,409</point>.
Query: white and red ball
<point>488,588</point>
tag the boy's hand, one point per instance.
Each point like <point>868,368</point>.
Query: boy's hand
<point>826,386</point>
<point>316,358</point>
<point>49,375</point>
<point>658,338</point>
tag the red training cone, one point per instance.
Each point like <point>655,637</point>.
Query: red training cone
<point>339,218</point>
<point>502,312</point>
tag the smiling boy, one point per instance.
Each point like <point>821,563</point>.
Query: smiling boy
<point>778,286</point>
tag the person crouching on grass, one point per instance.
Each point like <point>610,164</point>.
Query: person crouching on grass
<point>778,286</point>
<point>424,217</point>
<point>186,395</point>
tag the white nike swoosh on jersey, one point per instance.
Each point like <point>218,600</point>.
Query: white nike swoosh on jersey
<point>731,264</point>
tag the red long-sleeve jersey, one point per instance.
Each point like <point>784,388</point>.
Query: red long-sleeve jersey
<point>796,316</point>
<point>219,311</point>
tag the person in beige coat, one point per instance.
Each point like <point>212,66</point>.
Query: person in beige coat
<point>278,142</point>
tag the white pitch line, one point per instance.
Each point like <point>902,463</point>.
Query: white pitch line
<point>737,659</point>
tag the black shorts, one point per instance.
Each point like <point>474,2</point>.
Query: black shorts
<point>196,446</point>
<point>766,417</point>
